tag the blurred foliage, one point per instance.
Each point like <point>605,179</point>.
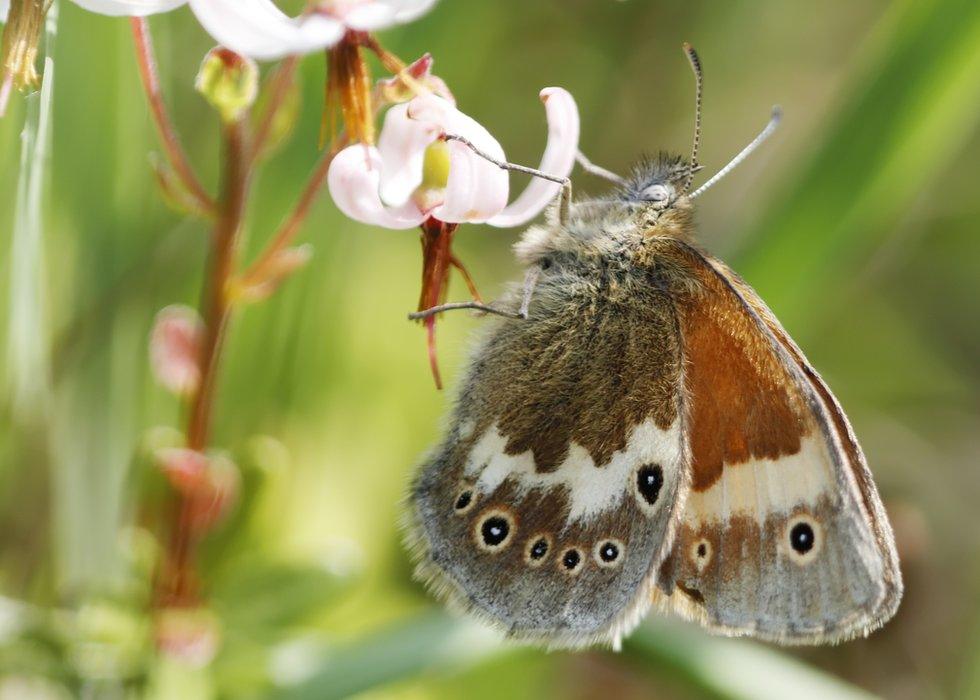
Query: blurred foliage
<point>857,223</point>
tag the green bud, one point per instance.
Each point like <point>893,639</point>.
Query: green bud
<point>229,82</point>
<point>435,166</point>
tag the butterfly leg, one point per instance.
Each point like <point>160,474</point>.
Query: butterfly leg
<point>530,281</point>
<point>565,196</point>
<point>597,170</point>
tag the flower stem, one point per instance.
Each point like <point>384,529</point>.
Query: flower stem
<point>290,227</point>
<point>178,585</point>
<point>168,134</point>
<point>280,82</point>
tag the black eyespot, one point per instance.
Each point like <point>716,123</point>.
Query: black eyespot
<point>608,552</point>
<point>801,538</point>
<point>649,481</point>
<point>539,549</point>
<point>571,559</point>
<point>494,530</point>
<point>463,500</point>
<point>702,550</point>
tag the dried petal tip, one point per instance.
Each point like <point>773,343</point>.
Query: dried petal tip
<point>228,81</point>
<point>415,79</point>
<point>175,349</point>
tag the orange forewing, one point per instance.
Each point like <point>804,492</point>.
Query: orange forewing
<point>742,402</point>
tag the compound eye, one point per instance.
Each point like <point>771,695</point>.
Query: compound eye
<point>658,194</point>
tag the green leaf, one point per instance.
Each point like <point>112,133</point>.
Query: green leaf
<point>404,650</point>
<point>738,669</point>
<point>264,599</point>
<point>909,109</point>
<point>715,667</point>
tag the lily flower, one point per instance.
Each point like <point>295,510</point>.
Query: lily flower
<point>415,173</point>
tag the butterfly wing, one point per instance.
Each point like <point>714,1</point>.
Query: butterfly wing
<point>783,535</point>
<point>552,501</point>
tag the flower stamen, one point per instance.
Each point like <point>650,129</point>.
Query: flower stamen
<point>21,35</point>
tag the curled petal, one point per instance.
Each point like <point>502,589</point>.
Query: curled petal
<point>378,14</point>
<point>558,159</point>
<point>175,349</point>
<point>401,147</point>
<point>259,29</point>
<point>477,189</point>
<point>133,8</point>
<point>353,180</point>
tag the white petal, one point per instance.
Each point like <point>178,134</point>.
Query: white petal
<point>401,146</point>
<point>257,28</point>
<point>477,189</point>
<point>379,14</point>
<point>558,159</point>
<point>134,8</point>
<point>407,10</point>
<point>353,181</point>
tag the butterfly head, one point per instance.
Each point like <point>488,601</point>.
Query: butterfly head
<point>655,195</point>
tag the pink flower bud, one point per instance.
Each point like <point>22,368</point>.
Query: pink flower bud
<point>211,505</point>
<point>185,469</point>
<point>175,349</point>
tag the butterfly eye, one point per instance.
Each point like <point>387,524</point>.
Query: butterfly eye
<point>804,537</point>
<point>658,194</point>
<point>608,553</point>
<point>464,500</point>
<point>649,482</point>
<point>571,560</point>
<point>701,552</point>
<point>537,550</point>
<point>494,530</point>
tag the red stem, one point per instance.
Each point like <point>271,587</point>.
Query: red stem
<point>168,135</point>
<point>178,585</point>
<point>290,227</point>
<point>279,85</point>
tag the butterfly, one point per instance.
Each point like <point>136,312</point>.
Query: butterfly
<point>635,428</point>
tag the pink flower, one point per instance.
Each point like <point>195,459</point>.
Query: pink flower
<point>414,174</point>
<point>175,349</point>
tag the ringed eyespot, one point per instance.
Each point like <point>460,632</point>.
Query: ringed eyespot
<point>537,550</point>
<point>494,530</point>
<point>464,501</point>
<point>608,553</point>
<point>701,553</point>
<point>571,560</point>
<point>803,538</point>
<point>649,482</point>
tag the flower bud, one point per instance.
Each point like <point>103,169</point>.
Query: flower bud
<point>228,81</point>
<point>175,349</point>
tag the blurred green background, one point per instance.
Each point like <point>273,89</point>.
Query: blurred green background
<point>857,224</point>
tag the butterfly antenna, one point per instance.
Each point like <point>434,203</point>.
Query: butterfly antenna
<point>693,167</point>
<point>777,115</point>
